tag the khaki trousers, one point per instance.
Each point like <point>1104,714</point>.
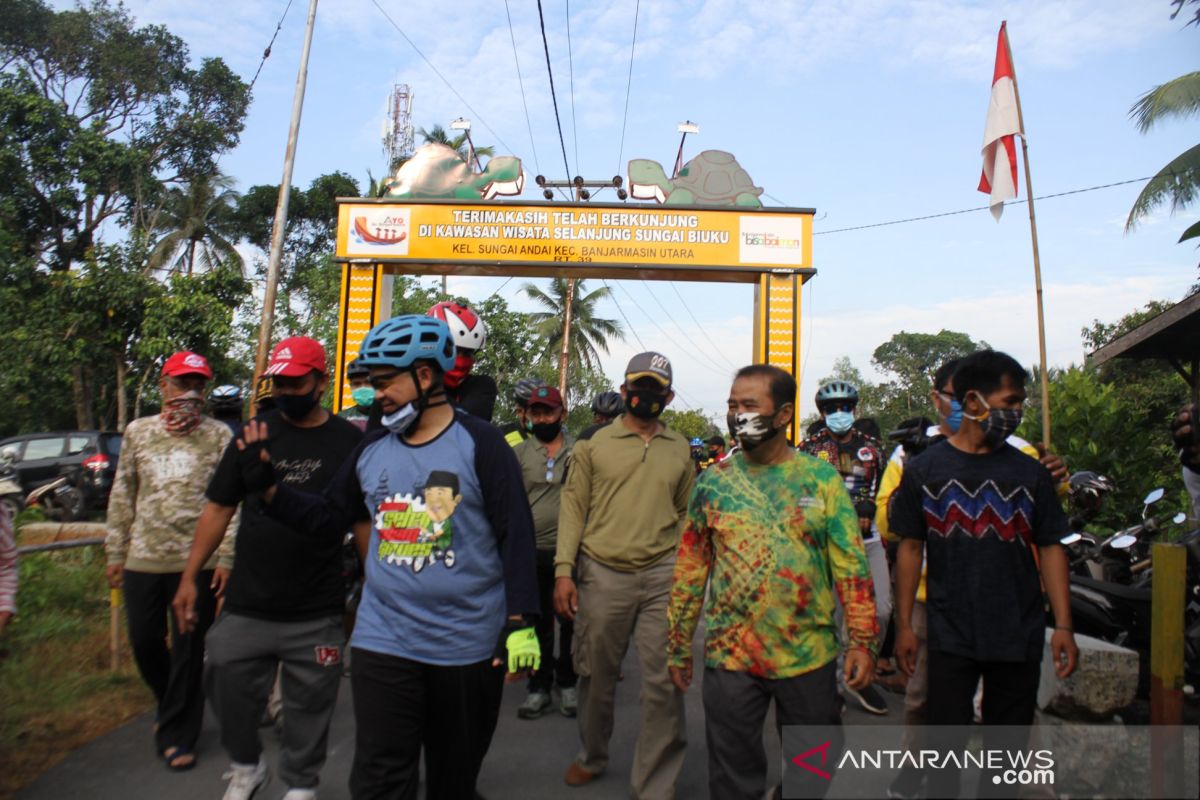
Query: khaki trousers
<point>614,607</point>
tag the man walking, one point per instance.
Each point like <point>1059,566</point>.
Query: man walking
<point>979,507</point>
<point>544,459</point>
<point>625,499</point>
<point>774,531</point>
<point>286,593</point>
<point>157,496</point>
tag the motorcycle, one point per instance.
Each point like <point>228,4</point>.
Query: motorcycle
<point>12,497</point>
<point>61,499</point>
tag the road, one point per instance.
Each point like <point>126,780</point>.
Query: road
<point>526,760</point>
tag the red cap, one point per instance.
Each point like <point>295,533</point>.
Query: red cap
<point>185,362</point>
<point>296,356</point>
<point>545,396</point>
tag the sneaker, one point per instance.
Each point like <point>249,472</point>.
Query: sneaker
<point>535,705</point>
<point>300,794</point>
<point>246,779</point>
<point>870,699</point>
<point>568,701</point>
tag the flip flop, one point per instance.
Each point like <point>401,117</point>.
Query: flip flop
<point>172,754</point>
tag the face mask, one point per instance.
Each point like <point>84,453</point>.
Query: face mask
<point>181,415</point>
<point>998,423</point>
<point>364,397</point>
<point>463,362</point>
<point>954,421</point>
<point>839,421</point>
<point>401,419</point>
<point>645,403</point>
<point>751,429</point>
<point>296,406</point>
<point>545,431</point>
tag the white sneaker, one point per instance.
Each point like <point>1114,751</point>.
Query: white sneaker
<point>301,794</point>
<point>245,780</point>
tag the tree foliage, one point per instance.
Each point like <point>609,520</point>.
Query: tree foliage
<point>590,334</point>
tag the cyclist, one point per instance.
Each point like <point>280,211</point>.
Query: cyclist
<point>362,394</point>
<point>517,432</point>
<point>858,457</point>
<point>470,391</point>
<point>606,407</point>
<point>225,404</point>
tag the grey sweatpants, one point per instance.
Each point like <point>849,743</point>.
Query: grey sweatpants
<point>243,655</point>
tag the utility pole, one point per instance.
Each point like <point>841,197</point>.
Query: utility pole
<point>281,206</point>
<point>581,189</point>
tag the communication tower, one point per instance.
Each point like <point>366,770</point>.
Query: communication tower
<point>397,125</point>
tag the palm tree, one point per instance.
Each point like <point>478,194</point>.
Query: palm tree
<point>590,334</point>
<point>1179,180</point>
<point>197,223</point>
<point>437,135</point>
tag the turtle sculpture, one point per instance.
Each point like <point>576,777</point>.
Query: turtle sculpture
<point>436,171</point>
<point>713,178</point>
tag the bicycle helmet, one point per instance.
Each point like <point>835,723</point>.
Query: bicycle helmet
<point>834,391</point>
<point>608,404</point>
<point>1089,484</point>
<point>403,341</point>
<point>524,390</point>
<point>356,369</point>
<point>696,442</point>
<point>226,396</point>
<point>466,328</point>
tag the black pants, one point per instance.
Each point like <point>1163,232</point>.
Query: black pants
<point>402,706</point>
<point>1009,699</point>
<point>554,670</point>
<point>175,675</point>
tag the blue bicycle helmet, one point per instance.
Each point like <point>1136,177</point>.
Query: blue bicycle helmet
<point>402,341</point>
<point>835,391</point>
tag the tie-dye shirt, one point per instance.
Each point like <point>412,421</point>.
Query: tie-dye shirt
<point>777,542</point>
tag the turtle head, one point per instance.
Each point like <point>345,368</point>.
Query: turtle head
<point>502,177</point>
<point>648,181</point>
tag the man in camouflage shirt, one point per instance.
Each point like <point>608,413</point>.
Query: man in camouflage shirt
<point>166,462</point>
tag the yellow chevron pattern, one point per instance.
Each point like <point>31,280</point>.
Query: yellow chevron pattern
<point>361,285</point>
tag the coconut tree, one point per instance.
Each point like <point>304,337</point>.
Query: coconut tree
<point>197,226</point>
<point>1179,181</point>
<point>437,135</point>
<point>590,334</point>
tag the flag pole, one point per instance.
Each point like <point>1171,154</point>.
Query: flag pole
<point>1037,261</point>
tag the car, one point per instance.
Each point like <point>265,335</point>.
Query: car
<point>39,458</point>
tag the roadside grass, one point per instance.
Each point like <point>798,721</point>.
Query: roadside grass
<point>58,692</point>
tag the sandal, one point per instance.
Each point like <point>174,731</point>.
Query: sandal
<point>179,759</point>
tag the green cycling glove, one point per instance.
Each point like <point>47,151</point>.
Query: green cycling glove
<point>523,650</point>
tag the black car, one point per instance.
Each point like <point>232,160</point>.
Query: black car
<point>39,458</point>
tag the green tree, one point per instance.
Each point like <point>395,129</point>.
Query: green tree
<point>437,135</point>
<point>1179,181</point>
<point>97,116</point>
<point>691,424</point>
<point>590,334</point>
<point>198,223</point>
<point>911,359</point>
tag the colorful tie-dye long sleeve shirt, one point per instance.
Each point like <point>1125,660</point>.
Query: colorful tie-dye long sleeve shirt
<point>776,541</point>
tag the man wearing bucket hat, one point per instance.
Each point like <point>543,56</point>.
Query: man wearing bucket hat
<point>158,493</point>
<point>286,594</point>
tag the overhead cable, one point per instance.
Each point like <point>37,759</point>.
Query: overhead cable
<point>628,86</point>
<point>267,52</point>
<point>571,67</point>
<point>521,82</point>
<point>553,96</point>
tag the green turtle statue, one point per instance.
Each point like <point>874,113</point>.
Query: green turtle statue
<point>436,171</point>
<point>712,178</point>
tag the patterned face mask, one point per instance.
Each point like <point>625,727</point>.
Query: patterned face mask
<point>998,423</point>
<point>751,429</point>
<point>181,415</point>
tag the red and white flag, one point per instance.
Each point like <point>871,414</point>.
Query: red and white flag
<point>999,177</point>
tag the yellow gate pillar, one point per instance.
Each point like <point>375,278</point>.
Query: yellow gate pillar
<point>777,328</point>
<point>366,301</point>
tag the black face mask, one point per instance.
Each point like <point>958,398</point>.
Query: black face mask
<point>545,431</point>
<point>645,403</point>
<point>296,406</point>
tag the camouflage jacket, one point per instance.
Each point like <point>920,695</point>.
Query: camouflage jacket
<point>158,495</point>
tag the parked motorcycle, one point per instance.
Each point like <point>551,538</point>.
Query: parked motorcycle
<point>61,499</point>
<point>12,497</point>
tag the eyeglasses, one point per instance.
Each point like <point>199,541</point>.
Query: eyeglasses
<point>550,470</point>
<point>381,382</point>
<point>832,408</point>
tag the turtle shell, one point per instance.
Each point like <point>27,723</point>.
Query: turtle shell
<point>715,176</point>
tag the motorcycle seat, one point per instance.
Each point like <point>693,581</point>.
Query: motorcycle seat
<point>1114,590</point>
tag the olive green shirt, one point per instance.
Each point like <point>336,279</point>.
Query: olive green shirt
<point>625,500</point>
<point>543,485</point>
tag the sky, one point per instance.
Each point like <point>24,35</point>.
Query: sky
<point>869,111</point>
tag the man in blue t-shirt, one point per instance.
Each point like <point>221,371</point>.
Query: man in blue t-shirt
<point>439,511</point>
<point>985,514</point>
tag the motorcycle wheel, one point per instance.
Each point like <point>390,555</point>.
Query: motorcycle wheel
<point>70,505</point>
<point>13,503</point>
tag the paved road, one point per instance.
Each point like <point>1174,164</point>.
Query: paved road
<point>526,760</point>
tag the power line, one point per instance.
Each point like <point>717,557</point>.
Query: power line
<point>267,53</point>
<point>716,350</point>
<point>668,336</point>
<point>571,67</point>
<point>984,208</point>
<point>553,96</point>
<point>621,311</point>
<point>628,85</point>
<point>474,114</point>
<point>521,82</point>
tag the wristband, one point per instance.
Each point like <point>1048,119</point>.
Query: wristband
<point>1064,628</point>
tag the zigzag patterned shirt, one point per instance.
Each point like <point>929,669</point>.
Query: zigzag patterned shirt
<point>980,516</point>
